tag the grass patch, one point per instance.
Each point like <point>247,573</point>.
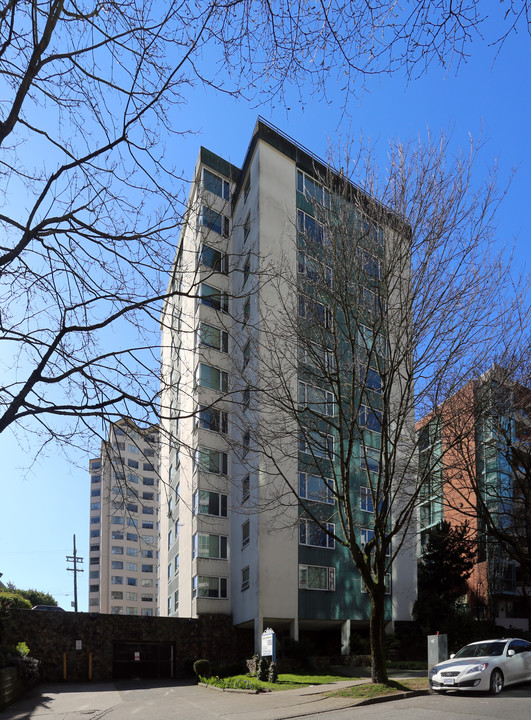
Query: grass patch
<point>286,681</point>
<point>370,690</point>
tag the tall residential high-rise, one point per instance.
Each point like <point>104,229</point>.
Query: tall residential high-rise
<point>233,537</point>
<point>124,520</point>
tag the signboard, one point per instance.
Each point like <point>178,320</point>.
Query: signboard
<point>79,644</point>
<point>137,656</point>
<point>269,644</point>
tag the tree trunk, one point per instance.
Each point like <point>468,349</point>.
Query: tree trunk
<point>377,634</point>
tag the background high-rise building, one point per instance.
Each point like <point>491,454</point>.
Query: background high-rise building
<point>233,540</point>
<point>124,520</point>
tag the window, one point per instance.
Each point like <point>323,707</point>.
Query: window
<point>213,419</point>
<point>245,578</point>
<point>365,339</point>
<point>117,595</point>
<point>245,488</point>
<point>95,506</point>
<point>209,587</point>
<point>246,310</point>
<point>133,449</point>
<point>94,533</point>
<point>117,550</point>
<point>169,571</point>
<point>117,580</point>
<point>94,561</point>
<point>132,522</point>
<point>95,520</point>
<point>312,533</point>
<point>132,478</point>
<point>132,463</point>
<point>144,597</point>
<point>387,583</point>
<point>370,264</point>
<point>117,565</point>
<point>95,493</point>
<point>147,525</point>
<point>246,441</point>
<point>317,444</point>
<point>216,185</point>
<point>95,479</point>
<point>147,568</point>
<point>214,259</point>
<point>94,588</point>
<point>148,496</point>
<point>210,546</point>
<point>212,461</point>
<point>210,503</point>
<point>247,187</point>
<point>147,553</point>
<point>316,399</point>
<point>147,510</point>
<point>370,419</point>
<point>371,301</point>
<point>149,539</point>
<point>246,531</point>
<point>246,353</point>
<point>148,466</point>
<point>131,581</point>
<point>317,313</point>
<point>131,507</point>
<point>311,189</point>
<point>132,552</point>
<point>370,379</point>
<point>314,270</point>
<point>213,337</point>
<point>214,298</point>
<point>132,537</point>
<point>366,502</point>
<point>131,596</point>
<point>94,574</point>
<point>315,488</point>
<point>315,577</point>
<point>215,221</point>
<point>94,548</point>
<point>148,481</point>
<point>246,228</point>
<point>147,612</point>
<point>176,563</point>
<point>131,611</point>
<point>246,270</point>
<point>170,539</point>
<point>131,566</point>
<point>366,535</point>
<point>212,378</point>
<point>147,583</point>
<point>370,459</point>
<point>117,610</point>
<point>169,605</point>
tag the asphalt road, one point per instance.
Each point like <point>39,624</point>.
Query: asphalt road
<point>171,701</point>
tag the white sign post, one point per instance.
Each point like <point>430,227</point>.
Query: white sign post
<point>269,644</point>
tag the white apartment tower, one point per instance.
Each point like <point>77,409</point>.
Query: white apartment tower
<point>233,539</point>
<point>124,522</point>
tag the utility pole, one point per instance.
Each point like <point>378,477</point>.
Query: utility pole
<point>75,559</point>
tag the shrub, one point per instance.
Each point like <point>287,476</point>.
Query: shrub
<point>272,675</point>
<point>202,668</point>
<point>263,669</point>
<point>233,683</point>
<point>22,649</point>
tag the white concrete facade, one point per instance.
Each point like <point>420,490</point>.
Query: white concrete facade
<point>227,545</point>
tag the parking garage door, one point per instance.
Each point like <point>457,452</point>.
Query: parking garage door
<point>142,660</point>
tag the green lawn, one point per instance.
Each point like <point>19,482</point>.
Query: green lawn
<point>370,690</point>
<point>285,681</point>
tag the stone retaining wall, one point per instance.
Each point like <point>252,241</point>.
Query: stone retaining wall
<point>11,687</point>
<point>52,637</point>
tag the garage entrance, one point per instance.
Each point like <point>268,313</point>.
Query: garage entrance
<point>142,660</point>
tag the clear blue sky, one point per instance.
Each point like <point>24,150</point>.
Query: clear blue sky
<point>42,507</point>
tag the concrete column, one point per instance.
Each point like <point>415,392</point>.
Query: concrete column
<point>258,630</point>
<point>345,637</point>
<point>294,629</point>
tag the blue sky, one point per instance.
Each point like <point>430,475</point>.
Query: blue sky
<point>42,506</point>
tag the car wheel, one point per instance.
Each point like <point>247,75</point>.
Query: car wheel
<point>496,682</point>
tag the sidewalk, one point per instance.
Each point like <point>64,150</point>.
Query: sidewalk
<point>167,700</point>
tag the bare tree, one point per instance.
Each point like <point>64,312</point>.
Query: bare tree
<point>379,311</point>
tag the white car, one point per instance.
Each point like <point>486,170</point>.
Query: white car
<point>487,665</point>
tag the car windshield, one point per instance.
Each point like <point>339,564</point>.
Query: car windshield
<point>481,650</point>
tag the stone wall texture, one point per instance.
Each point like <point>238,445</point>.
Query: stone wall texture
<point>53,638</point>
